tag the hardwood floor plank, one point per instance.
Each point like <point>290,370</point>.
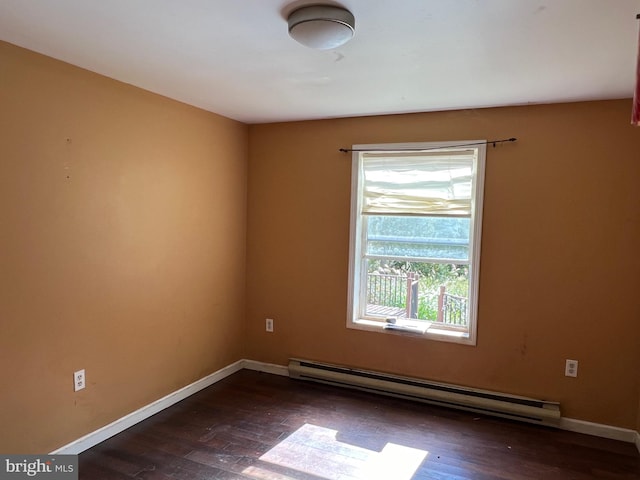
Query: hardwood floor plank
<point>254,426</point>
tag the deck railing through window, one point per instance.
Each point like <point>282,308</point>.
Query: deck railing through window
<point>392,294</point>
<point>397,295</point>
<point>452,309</point>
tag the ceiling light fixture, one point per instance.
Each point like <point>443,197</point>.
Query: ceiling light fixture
<point>321,26</point>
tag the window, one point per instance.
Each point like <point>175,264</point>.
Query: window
<point>415,238</point>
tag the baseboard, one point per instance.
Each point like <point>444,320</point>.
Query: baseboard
<point>93,438</point>
<point>272,368</point>
<point>108,431</point>
<point>599,430</point>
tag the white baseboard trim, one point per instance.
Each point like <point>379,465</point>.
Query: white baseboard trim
<point>599,430</point>
<point>272,368</point>
<point>108,431</point>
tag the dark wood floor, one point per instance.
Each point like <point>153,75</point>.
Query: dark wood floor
<point>256,426</point>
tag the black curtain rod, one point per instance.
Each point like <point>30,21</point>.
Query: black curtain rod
<point>488,142</point>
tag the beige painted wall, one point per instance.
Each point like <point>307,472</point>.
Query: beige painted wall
<point>559,273</point>
<point>122,248</point>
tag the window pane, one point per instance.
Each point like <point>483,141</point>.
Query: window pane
<point>418,237</point>
<point>425,291</point>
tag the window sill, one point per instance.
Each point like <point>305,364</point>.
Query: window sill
<point>425,330</point>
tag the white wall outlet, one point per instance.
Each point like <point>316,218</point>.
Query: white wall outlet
<point>79,380</point>
<point>269,324</point>
<point>571,368</point>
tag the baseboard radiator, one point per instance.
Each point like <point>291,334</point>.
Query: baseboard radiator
<point>471,399</point>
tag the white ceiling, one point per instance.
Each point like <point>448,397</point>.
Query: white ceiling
<point>235,58</point>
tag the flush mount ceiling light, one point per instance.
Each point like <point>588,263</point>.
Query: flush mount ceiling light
<point>321,27</point>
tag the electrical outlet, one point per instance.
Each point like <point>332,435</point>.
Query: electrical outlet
<point>79,380</point>
<point>269,324</point>
<point>571,368</point>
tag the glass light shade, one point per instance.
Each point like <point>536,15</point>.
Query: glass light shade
<point>321,27</point>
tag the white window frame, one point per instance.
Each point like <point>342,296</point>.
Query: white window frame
<point>357,266</point>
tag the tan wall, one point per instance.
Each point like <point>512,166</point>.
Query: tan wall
<point>559,273</point>
<point>122,248</point>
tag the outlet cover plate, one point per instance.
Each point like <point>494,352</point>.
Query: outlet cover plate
<point>79,380</point>
<point>571,368</point>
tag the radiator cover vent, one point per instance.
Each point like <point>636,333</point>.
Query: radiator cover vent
<point>482,401</point>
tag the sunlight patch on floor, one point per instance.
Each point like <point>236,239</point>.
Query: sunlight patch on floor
<point>317,452</point>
